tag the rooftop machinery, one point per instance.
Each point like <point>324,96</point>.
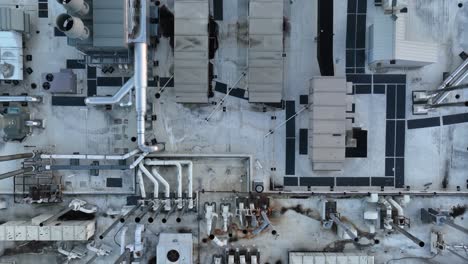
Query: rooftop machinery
<point>424,101</point>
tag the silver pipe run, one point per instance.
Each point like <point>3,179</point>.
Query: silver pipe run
<point>453,79</point>
<point>107,100</point>
<point>141,80</point>
<point>17,156</point>
<point>32,99</point>
<point>16,172</point>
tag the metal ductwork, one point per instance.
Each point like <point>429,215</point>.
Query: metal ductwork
<point>141,80</point>
<point>17,156</point>
<point>72,26</point>
<point>32,99</point>
<point>76,7</point>
<point>16,172</point>
<point>107,100</point>
<point>454,79</point>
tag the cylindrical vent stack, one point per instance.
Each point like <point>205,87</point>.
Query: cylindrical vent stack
<point>73,27</point>
<point>75,7</point>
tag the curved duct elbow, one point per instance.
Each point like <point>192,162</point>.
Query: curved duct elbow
<point>73,27</point>
<point>76,7</point>
<point>147,148</point>
<point>397,207</point>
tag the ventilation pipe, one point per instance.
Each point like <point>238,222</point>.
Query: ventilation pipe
<point>123,235</point>
<point>397,207</point>
<point>76,7</point>
<point>16,172</point>
<point>17,156</point>
<point>455,78</point>
<point>209,216</point>
<point>73,27</point>
<point>167,193</point>
<point>219,242</point>
<point>141,79</point>
<point>408,235</point>
<point>138,160</point>
<point>226,214</point>
<point>178,163</point>
<point>141,184</point>
<point>31,99</point>
<point>90,156</point>
<point>138,246</point>
<point>190,181</point>
<point>150,176</point>
<point>179,175</point>
<point>129,102</point>
<point>388,218</point>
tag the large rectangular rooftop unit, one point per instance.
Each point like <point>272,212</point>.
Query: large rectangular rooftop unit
<point>327,125</point>
<point>389,45</point>
<point>265,54</point>
<point>110,26</point>
<point>191,51</point>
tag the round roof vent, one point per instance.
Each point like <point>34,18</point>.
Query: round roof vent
<point>173,255</point>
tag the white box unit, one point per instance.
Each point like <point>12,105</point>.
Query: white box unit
<point>55,231</point>
<point>389,47</point>
<point>265,53</point>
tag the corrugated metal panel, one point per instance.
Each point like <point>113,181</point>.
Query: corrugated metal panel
<point>329,258</point>
<point>327,126</point>
<point>109,25</point>
<point>265,62</point>
<point>14,19</point>
<point>388,42</point>
<point>191,51</point>
<point>412,50</point>
<point>381,39</point>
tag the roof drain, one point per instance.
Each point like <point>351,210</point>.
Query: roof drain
<point>141,80</point>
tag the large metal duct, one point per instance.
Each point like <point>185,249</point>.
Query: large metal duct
<point>76,7</point>
<point>16,172</point>
<point>17,156</point>
<point>108,100</point>
<point>73,27</point>
<point>454,79</point>
<point>32,99</point>
<point>141,80</point>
